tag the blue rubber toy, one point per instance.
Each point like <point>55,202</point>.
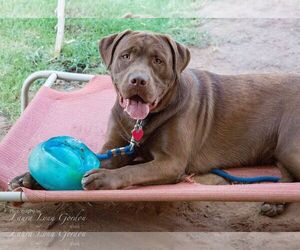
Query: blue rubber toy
<point>60,163</point>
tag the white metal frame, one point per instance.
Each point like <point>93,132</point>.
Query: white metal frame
<point>51,76</point>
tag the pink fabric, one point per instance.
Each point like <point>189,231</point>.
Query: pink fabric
<point>254,171</point>
<point>84,114</point>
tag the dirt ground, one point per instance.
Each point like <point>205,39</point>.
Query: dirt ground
<point>237,46</point>
<point>250,45</point>
<point>250,9</point>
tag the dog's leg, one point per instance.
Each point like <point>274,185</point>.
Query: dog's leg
<point>288,156</point>
<point>116,161</point>
<point>166,163</point>
<point>161,170</point>
<point>24,180</point>
<point>274,209</point>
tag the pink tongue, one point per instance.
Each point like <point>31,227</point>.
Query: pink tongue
<point>137,110</point>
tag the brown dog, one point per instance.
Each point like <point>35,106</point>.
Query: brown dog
<point>194,120</point>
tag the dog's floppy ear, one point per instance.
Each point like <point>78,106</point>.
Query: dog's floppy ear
<point>181,54</point>
<point>108,44</point>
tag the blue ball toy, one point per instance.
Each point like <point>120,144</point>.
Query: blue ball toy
<point>60,163</point>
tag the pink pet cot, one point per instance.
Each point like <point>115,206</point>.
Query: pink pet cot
<point>83,114</point>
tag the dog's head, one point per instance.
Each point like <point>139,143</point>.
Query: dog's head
<point>143,66</point>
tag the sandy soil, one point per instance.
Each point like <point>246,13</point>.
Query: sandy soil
<point>237,46</point>
<point>250,9</point>
<point>241,46</point>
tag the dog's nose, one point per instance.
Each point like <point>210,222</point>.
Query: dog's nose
<point>139,79</point>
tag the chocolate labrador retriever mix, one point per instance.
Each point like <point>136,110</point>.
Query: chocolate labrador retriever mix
<point>194,120</point>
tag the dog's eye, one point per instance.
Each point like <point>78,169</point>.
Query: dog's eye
<point>125,56</point>
<point>156,60</point>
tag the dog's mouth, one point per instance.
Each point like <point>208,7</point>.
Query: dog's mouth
<point>136,107</point>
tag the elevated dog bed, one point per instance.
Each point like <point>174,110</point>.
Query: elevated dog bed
<point>83,114</point>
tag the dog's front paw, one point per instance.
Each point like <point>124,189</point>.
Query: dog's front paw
<point>272,209</point>
<point>101,179</point>
<point>24,180</point>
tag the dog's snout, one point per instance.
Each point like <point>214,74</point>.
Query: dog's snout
<point>139,78</point>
